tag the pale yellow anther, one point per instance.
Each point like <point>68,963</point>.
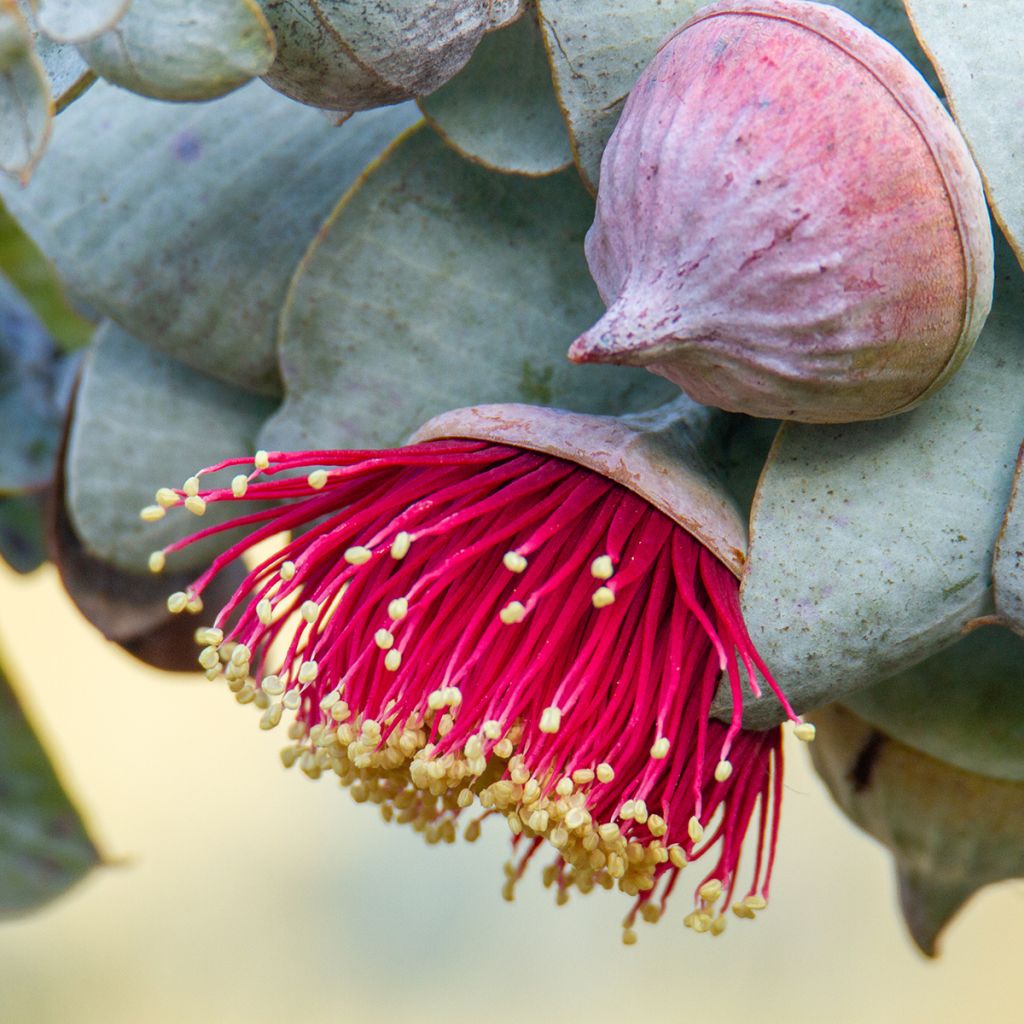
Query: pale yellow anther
<point>629,936</point>
<point>503,748</point>
<point>605,772</point>
<point>265,612</point>
<point>191,486</point>
<point>659,749</point>
<point>723,770</point>
<point>512,613</point>
<point>261,460</point>
<point>582,776</point>
<point>710,890</point>
<point>435,700</point>
<point>307,672</point>
<point>167,498</point>
<point>209,636</point>
<point>602,568</point>
<point>452,696</point>
<point>657,825</point>
<point>551,719</point>
<point>804,731</point>
<point>514,562</point>
<point>330,700</point>
<point>603,597</point>
<point>272,685</point>
<point>271,717</point>
<point>609,832</point>
<point>195,505</point>
<point>358,555</point>
<point>742,910</point>
<point>291,700</point>
<point>209,658</point>
<point>755,902</point>
<point>194,604</point>
<point>627,810</point>
<point>400,545</point>
<point>157,561</point>
<point>564,787</point>
<point>239,485</point>
<point>576,817</point>
<point>287,571</point>
<point>309,611</point>
<point>718,925</point>
<point>695,829</point>
<point>491,729</point>
<point>676,856</point>
<point>398,609</point>
<point>240,655</point>
<point>151,513</point>
<point>384,639</point>
<point>177,602</point>
<point>392,660</point>
<point>317,479</point>
<point>340,711</point>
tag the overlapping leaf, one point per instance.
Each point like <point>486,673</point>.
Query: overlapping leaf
<point>501,110</point>
<point>978,50</point>
<point>184,223</point>
<point>75,21</point>
<point>30,415</point>
<point>1008,566</point>
<point>26,107</point>
<point>872,543</point>
<point>44,845</point>
<point>184,49</point>
<point>144,421</point>
<point>962,706</point>
<point>437,284</point>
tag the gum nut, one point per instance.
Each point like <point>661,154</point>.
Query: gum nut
<point>951,832</point>
<point>788,222</point>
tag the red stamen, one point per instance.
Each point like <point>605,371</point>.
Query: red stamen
<point>448,638</point>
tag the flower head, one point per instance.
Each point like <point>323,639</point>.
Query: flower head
<point>463,623</point>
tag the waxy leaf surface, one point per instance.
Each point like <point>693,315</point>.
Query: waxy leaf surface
<point>44,846</point>
<point>963,706</point>
<point>978,49</point>
<point>184,223</point>
<point>184,49</point>
<point>30,415</point>
<point>501,110</point>
<point>75,21</point>
<point>22,539</point>
<point>143,421</point>
<point>872,543</point>
<point>437,284</point>
<point>26,107</point>
<point>1008,566</point>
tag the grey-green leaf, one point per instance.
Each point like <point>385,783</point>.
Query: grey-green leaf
<point>872,543</point>
<point>184,223</point>
<point>501,110</point>
<point>72,21</point>
<point>597,50</point>
<point>30,415</point>
<point>978,50</point>
<point>1008,565</point>
<point>963,706</point>
<point>437,284</point>
<point>184,49</point>
<point>143,421</point>
<point>69,75</point>
<point>345,56</point>
<point>44,845</point>
<point>22,539</point>
<point>26,107</point>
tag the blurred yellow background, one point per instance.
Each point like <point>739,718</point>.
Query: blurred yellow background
<point>245,893</point>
